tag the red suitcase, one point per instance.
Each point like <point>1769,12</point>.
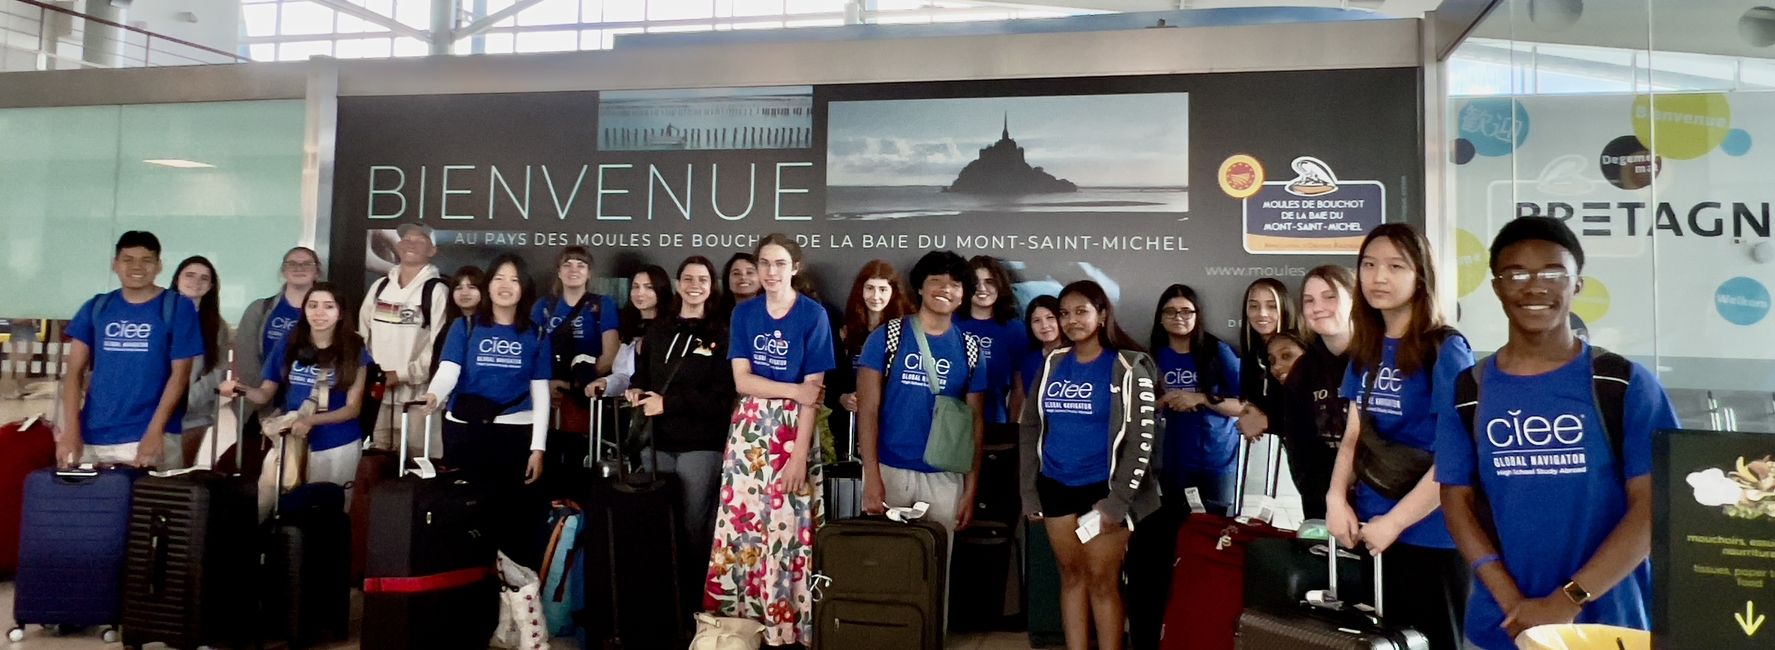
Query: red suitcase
<point>25,446</point>
<point>1208,580</point>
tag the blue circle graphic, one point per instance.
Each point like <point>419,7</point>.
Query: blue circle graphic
<point>1742,301</point>
<point>1737,143</point>
<point>1495,125</point>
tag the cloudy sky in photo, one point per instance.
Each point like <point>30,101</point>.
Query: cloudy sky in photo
<point>1138,140</point>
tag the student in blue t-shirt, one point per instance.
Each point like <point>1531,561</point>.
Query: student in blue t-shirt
<point>1568,545</point>
<point>780,348</point>
<point>894,399</point>
<point>593,332</point>
<point>140,342</point>
<point>1200,397</point>
<point>264,325</point>
<point>1403,364</point>
<point>493,382</point>
<point>1088,436</point>
<point>1042,324</point>
<point>324,349</point>
<point>992,316</point>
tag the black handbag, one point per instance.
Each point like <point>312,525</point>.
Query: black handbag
<point>1391,469</point>
<point>640,433</point>
<point>476,409</point>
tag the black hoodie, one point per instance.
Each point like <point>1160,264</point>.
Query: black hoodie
<point>699,399</point>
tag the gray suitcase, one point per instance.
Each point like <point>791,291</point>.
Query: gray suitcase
<point>1327,623</point>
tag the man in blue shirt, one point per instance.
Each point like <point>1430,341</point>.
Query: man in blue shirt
<point>894,400</point>
<point>139,342</point>
<point>1564,527</point>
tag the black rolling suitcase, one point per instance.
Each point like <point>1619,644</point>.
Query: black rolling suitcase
<point>879,584</point>
<point>1328,623</point>
<point>305,582</point>
<point>190,557</point>
<point>429,576</point>
<point>842,482</point>
<point>633,578</point>
<point>998,497</point>
<point>981,575</point>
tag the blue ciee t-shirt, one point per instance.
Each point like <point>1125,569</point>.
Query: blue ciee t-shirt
<point>1404,409</point>
<point>1001,347</point>
<point>906,400</point>
<point>498,362</point>
<point>588,336</point>
<point>1075,400</point>
<point>786,349</point>
<point>300,386</point>
<point>1199,440</point>
<point>133,349</point>
<point>1544,460</point>
<point>281,320</point>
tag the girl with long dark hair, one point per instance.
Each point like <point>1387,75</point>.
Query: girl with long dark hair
<point>196,279</point>
<point>1314,413</point>
<point>467,295</point>
<point>318,373</point>
<point>1403,365</point>
<point>1268,311</point>
<point>780,348</point>
<point>739,278</point>
<point>1200,396</point>
<point>650,298</point>
<point>494,385</point>
<point>992,316</point>
<point>1086,460</point>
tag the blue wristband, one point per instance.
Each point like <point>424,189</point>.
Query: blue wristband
<point>1481,562</point>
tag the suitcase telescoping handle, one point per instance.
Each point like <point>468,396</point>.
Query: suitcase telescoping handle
<point>1331,552</point>
<point>1272,468</point>
<point>852,447</point>
<point>406,417</point>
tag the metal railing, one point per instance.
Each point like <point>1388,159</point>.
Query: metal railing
<point>37,35</point>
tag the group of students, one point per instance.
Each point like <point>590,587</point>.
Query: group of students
<point>1363,398</point>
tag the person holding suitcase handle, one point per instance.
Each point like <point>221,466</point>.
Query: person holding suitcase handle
<point>493,380</point>
<point>264,325</point>
<point>140,342</point>
<point>1089,436</point>
<point>780,349</point>
<point>1403,363</point>
<point>1550,548</point>
<point>323,350</point>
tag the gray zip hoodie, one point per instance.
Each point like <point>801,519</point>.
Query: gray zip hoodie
<point>1133,439</point>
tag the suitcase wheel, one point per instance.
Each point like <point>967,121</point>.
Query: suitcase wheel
<point>109,635</point>
<point>16,634</point>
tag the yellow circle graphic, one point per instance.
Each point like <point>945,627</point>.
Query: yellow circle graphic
<point>1592,303</point>
<point>1472,262</point>
<point>1683,126</point>
<point>1240,176</point>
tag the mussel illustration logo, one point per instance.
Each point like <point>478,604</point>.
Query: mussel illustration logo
<point>1312,177</point>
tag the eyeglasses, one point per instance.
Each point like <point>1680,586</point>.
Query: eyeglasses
<point>1520,278</point>
<point>298,266</point>
<point>1178,314</point>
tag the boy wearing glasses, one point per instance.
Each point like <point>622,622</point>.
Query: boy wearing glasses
<point>400,318</point>
<point>139,342</point>
<point>1545,456</point>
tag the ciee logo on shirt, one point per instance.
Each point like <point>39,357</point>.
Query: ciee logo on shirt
<point>282,323</point>
<point>1180,378</point>
<point>1067,389</point>
<point>774,344</point>
<point>1535,430</point>
<point>504,347</point>
<point>914,362</point>
<point>128,330</point>
<point>1389,380</point>
<point>302,374</point>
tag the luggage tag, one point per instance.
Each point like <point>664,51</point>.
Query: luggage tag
<point>908,515</point>
<point>426,469</point>
<point>1195,501</point>
<point>1090,525</point>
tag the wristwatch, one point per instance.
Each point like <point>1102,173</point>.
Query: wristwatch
<point>1576,593</point>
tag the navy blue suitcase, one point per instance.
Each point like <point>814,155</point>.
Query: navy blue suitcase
<point>71,549</point>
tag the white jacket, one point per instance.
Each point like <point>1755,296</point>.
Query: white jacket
<point>394,328</point>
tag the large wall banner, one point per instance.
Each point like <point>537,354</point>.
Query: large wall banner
<point>1136,182</point>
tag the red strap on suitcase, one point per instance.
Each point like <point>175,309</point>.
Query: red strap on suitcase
<point>422,584</point>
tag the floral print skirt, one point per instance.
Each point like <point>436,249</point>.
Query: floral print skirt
<point>764,539</point>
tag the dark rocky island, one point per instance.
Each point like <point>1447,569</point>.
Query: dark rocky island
<point>1001,169</point>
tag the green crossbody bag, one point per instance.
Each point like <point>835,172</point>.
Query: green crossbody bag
<point>950,446</point>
